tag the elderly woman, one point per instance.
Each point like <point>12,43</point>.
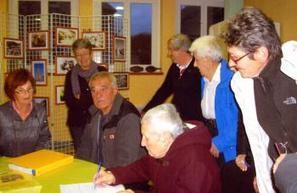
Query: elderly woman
<point>23,123</point>
<point>178,160</point>
<point>220,111</point>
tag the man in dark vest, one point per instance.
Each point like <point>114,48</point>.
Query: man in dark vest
<point>112,135</point>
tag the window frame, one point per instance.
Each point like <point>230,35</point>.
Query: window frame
<point>155,47</point>
<point>203,4</point>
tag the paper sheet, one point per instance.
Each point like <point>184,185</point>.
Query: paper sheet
<point>89,188</point>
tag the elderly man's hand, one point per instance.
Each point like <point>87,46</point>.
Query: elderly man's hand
<point>104,177</point>
<point>214,150</point>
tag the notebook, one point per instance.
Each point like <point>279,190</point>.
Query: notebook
<point>39,162</point>
<point>90,188</point>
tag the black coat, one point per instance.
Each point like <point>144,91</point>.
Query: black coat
<point>78,108</point>
<point>186,92</point>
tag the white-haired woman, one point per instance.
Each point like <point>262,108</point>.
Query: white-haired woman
<point>178,160</point>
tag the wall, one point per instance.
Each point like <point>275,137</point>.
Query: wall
<point>142,87</point>
<point>282,11</point>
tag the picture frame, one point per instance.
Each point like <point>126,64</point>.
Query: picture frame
<point>66,36</point>
<point>60,94</point>
<point>97,39</point>
<point>122,80</point>
<point>38,40</point>
<point>119,49</point>
<point>44,101</point>
<point>39,71</point>
<point>64,64</point>
<point>13,48</point>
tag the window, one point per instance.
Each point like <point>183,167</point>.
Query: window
<point>141,21</point>
<point>196,16</point>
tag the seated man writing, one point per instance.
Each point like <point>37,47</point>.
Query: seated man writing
<point>179,159</point>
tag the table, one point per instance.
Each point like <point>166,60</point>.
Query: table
<point>79,171</point>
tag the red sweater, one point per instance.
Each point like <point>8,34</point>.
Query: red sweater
<point>188,167</point>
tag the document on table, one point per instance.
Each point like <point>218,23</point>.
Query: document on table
<point>89,188</point>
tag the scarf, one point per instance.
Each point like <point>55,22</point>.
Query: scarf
<point>86,74</point>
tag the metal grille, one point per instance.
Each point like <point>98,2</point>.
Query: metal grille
<point>20,27</point>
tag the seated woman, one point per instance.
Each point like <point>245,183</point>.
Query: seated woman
<point>179,159</point>
<point>23,123</point>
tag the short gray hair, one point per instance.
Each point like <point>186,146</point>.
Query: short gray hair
<point>163,118</point>
<point>102,75</point>
<point>179,41</point>
<point>208,46</point>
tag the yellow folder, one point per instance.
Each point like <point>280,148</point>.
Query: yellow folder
<point>39,162</point>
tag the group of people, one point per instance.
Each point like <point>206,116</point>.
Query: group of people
<point>228,122</point>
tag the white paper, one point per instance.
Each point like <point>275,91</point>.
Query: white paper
<point>89,188</point>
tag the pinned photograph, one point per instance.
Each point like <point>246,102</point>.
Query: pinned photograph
<point>119,50</point>
<point>66,36</point>
<point>60,95</point>
<point>39,72</point>
<point>122,80</point>
<point>97,39</point>
<point>38,40</point>
<point>13,48</point>
<point>64,64</point>
<point>44,101</point>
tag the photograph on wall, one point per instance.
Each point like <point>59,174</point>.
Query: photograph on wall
<point>44,101</point>
<point>122,80</point>
<point>38,40</point>
<point>39,71</point>
<point>66,36</point>
<point>119,49</point>
<point>13,48</point>
<point>60,95</point>
<point>97,39</point>
<point>64,64</point>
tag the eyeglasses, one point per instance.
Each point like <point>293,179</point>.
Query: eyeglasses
<point>22,91</point>
<point>238,59</point>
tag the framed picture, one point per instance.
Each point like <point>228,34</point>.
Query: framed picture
<point>13,48</point>
<point>66,36</point>
<point>97,39</point>
<point>60,95</point>
<point>122,80</point>
<point>119,49</point>
<point>39,71</point>
<point>64,64</point>
<point>44,101</point>
<point>38,40</point>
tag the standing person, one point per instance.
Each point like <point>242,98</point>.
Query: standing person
<point>23,123</point>
<point>112,136</point>
<point>182,80</point>
<point>218,104</point>
<point>266,96</point>
<point>221,113</point>
<point>77,92</point>
<point>178,160</point>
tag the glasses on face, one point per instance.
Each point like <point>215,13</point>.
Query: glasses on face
<point>240,58</point>
<point>22,91</point>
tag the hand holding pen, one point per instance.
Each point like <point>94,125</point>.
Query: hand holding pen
<point>97,174</point>
<point>103,177</point>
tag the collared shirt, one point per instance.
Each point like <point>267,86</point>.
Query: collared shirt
<point>182,68</point>
<point>209,92</point>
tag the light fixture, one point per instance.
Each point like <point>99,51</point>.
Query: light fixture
<point>119,8</point>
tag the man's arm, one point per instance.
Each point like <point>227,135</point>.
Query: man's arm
<point>162,93</point>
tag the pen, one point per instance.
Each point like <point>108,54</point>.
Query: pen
<point>99,168</point>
